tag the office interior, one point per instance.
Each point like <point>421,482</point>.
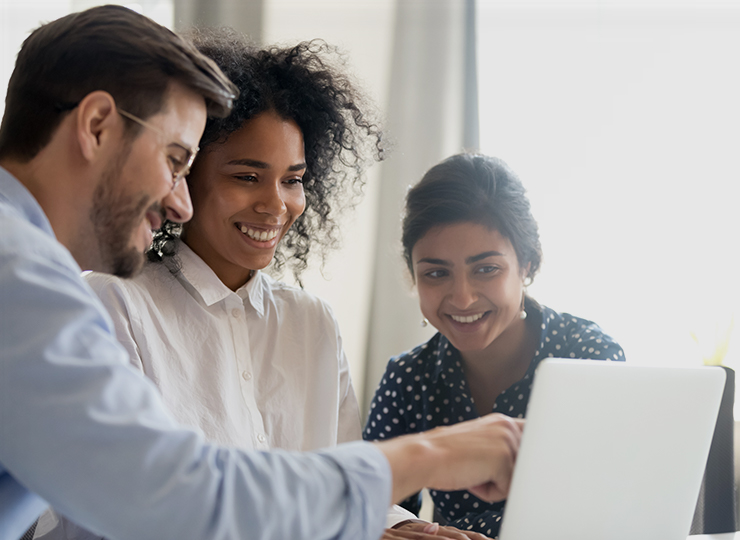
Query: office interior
<point>622,118</point>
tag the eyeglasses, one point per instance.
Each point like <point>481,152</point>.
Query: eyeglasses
<point>180,161</point>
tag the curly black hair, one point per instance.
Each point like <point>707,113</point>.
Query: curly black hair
<point>305,84</point>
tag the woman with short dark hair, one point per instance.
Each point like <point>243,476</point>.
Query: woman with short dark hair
<point>472,247</point>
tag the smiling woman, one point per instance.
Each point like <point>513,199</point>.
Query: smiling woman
<point>472,247</point>
<point>247,193</point>
<point>301,87</point>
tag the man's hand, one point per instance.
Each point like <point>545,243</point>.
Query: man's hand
<point>477,455</point>
<point>429,531</point>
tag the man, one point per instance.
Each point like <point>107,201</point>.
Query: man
<point>103,112</point>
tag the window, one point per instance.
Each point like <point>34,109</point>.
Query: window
<point>19,18</point>
<point>623,122</point>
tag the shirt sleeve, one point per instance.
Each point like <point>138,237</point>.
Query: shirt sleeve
<point>397,514</point>
<point>90,435</point>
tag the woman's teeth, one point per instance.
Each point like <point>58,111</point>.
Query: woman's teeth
<point>468,319</point>
<point>262,236</point>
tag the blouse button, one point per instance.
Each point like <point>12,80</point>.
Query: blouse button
<point>261,438</point>
<point>235,313</point>
<point>246,375</point>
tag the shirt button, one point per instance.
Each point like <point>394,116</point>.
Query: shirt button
<point>246,375</point>
<point>261,438</point>
<point>235,313</point>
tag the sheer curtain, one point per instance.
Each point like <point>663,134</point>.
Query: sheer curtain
<point>428,99</point>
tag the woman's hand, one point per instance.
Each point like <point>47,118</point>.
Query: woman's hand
<point>417,530</point>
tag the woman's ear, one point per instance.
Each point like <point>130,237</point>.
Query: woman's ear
<point>525,273</point>
<point>97,119</point>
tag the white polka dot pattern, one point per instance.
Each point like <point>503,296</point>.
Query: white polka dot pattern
<point>429,390</point>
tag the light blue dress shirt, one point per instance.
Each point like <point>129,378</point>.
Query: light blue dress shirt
<point>83,431</point>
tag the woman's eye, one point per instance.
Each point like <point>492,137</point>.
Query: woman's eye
<point>488,269</point>
<point>246,177</point>
<point>435,274</point>
<point>294,181</point>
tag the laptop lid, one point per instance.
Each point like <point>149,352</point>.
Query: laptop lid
<point>612,451</point>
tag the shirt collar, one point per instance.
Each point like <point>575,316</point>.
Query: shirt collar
<point>21,199</point>
<point>253,292</point>
<point>211,289</point>
<point>202,278</point>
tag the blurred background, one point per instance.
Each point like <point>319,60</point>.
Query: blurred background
<point>621,118</point>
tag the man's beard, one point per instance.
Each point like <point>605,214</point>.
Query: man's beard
<point>115,216</point>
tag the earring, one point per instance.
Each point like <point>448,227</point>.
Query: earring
<point>522,311</point>
<point>424,322</point>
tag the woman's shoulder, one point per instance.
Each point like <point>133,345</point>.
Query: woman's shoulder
<point>296,299</point>
<point>420,356</point>
<point>579,337</point>
<point>564,320</point>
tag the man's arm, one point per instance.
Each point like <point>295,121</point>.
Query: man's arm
<point>91,436</point>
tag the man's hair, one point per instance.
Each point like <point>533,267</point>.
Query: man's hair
<point>109,48</point>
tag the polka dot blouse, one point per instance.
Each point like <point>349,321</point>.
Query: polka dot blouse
<point>426,388</point>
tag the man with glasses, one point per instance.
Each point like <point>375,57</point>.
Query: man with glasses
<point>103,114</point>
<point>181,157</point>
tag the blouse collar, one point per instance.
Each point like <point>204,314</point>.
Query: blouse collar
<point>211,289</point>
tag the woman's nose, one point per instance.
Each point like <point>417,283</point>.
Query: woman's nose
<point>270,199</point>
<point>463,294</point>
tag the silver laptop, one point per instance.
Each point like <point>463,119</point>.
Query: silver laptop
<point>612,451</point>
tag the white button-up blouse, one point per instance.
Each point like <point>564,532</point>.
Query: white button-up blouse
<point>262,367</point>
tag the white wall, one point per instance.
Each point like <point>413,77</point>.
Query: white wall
<point>17,19</point>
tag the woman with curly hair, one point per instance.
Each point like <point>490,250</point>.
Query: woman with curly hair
<point>299,86</point>
<point>251,361</point>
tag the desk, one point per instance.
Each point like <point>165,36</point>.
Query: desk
<point>725,536</point>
